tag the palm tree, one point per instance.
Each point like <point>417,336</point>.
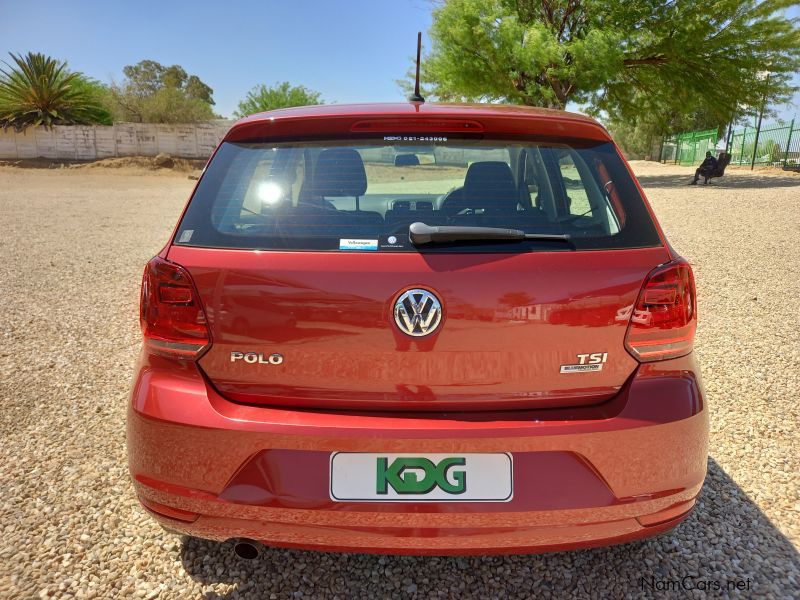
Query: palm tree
<point>40,91</point>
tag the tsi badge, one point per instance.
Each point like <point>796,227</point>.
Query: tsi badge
<point>586,363</point>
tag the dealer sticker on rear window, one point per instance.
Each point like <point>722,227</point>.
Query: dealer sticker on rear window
<point>351,244</point>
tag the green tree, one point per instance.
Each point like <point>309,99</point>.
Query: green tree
<point>148,77</point>
<point>153,93</point>
<point>636,140</point>
<point>771,150</point>
<point>628,59</point>
<point>282,95</point>
<point>100,94</point>
<point>38,90</point>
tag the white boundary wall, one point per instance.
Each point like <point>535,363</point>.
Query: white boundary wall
<point>88,142</point>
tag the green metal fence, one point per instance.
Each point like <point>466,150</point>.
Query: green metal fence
<point>688,148</point>
<point>772,145</point>
<point>778,146</point>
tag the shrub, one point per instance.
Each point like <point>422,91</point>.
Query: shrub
<point>283,95</point>
<point>39,90</point>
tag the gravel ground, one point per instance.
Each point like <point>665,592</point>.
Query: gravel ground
<point>74,244</point>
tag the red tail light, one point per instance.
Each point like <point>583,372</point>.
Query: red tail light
<point>172,319</point>
<point>665,316</point>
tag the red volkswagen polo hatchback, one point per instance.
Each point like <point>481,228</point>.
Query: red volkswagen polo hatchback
<point>419,329</point>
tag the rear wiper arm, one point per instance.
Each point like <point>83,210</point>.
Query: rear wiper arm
<point>420,233</point>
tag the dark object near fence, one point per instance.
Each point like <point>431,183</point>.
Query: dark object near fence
<point>723,160</point>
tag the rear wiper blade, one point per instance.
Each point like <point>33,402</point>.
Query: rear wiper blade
<point>420,233</point>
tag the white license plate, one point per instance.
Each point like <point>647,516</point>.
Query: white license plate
<point>376,477</point>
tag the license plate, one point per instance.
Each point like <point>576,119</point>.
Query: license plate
<point>379,477</point>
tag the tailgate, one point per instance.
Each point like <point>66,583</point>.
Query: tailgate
<point>510,322</point>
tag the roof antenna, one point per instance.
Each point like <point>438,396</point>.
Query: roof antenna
<point>416,97</point>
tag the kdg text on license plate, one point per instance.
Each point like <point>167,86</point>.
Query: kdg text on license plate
<point>376,477</point>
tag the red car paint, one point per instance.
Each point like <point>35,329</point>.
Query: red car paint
<point>224,449</point>
<point>497,315</point>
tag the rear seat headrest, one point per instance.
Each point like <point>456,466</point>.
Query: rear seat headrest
<point>339,172</point>
<point>490,185</point>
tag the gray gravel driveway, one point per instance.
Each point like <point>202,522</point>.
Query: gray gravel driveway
<point>72,247</point>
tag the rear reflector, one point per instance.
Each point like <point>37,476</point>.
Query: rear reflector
<point>668,514</point>
<point>170,294</point>
<point>172,319</point>
<point>664,319</point>
<point>169,511</point>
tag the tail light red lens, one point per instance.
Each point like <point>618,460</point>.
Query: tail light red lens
<point>664,319</point>
<point>172,319</point>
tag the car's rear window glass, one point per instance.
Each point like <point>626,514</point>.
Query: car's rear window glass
<point>364,195</point>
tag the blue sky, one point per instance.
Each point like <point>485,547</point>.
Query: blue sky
<point>349,51</point>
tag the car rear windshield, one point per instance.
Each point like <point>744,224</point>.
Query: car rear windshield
<point>363,195</point>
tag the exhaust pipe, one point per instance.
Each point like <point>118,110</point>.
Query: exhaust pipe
<point>247,549</point>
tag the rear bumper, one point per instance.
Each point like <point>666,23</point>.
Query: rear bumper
<point>587,476</point>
